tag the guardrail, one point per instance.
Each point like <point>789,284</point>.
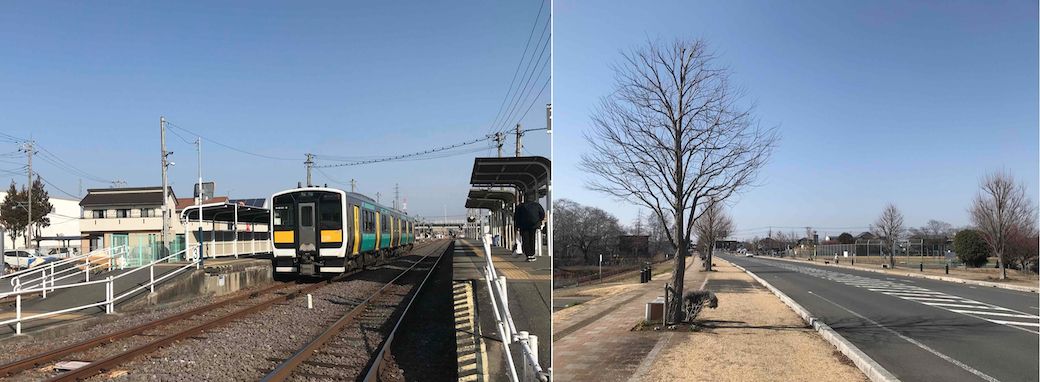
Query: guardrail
<point>47,284</point>
<point>52,272</point>
<point>531,370</point>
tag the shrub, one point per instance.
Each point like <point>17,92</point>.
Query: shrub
<point>971,248</point>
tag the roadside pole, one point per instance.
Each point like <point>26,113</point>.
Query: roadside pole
<point>3,262</point>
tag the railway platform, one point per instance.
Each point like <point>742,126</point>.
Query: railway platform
<point>218,276</point>
<point>528,286</point>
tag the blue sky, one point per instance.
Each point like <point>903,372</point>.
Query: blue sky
<point>89,83</point>
<point>877,102</point>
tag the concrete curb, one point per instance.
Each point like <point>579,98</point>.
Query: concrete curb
<point>918,275</point>
<point>874,371</point>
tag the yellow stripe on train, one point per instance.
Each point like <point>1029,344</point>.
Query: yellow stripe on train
<point>331,236</point>
<point>284,237</point>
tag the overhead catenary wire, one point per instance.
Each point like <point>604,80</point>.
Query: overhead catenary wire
<point>523,56</point>
<point>419,155</point>
<point>522,95</point>
<point>218,143</point>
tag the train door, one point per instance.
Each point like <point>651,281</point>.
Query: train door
<point>308,240</point>
<point>379,231</point>
<point>357,229</point>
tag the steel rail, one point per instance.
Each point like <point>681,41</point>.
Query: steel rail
<point>285,369</point>
<point>106,364</point>
<point>384,351</point>
<point>48,356</point>
<point>99,366</point>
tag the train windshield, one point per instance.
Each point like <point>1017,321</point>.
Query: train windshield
<point>283,212</point>
<point>330,210</point>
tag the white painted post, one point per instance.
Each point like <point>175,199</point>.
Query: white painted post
<point>310,302</point>
<point>236,231</point>
<point>502,288</point>
<point>109,307</point>
<point>521,338</point>
<point>151,277</point>
<point>532,342</point>
<point>538,242</point>
<point>18,314</point>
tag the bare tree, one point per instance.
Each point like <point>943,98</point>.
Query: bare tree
<point>1001,211</point>
<point>672,136</point>
<point>713,225</point>
<point>889,228</point>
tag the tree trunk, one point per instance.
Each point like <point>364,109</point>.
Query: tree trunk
<point>678,275</point>
<point>1003,268</point>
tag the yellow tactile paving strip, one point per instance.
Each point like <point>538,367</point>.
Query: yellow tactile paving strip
<point>469,347</point>
<point>506,268</point>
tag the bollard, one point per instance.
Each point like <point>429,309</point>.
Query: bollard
<point>947,268</point>
<point>649,273</point>
<point>151,277</point>
<point>921,268</point>
<point>310,303</point>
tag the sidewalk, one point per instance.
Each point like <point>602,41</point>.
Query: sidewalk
<point>593,341</point>
<point>752,336</point>
<point>528,286</point>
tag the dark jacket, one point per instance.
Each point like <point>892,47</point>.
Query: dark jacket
<point>529,216</point>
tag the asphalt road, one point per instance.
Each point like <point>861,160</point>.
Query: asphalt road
<point>918,329</point>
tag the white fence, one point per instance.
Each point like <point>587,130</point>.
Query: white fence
<point>528,343</point>
<point>48,277</point>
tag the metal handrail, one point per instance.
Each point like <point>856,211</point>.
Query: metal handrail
<point>68,260</point>
<point>110,298</point>
<point>506,327</point>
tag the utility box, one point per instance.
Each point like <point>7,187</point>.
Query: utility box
<point>655,309</point>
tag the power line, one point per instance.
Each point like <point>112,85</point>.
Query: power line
<point>529,73</point>
<point>533,101</point>
<point>55,187</point>
<point>168,123</point>
<point>518,64</point>
<point>426,154</point>
<point>54,159</point>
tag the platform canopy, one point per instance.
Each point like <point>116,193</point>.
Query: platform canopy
<point>530,174</point>
<point>225,211</point>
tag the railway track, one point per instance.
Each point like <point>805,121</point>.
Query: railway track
<point>331,343</point>
<point>173,328</point>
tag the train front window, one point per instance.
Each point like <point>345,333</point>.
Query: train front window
<point>283,216</point>
<point>330,212</point>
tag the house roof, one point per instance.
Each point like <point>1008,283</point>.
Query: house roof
<point>187,202</point>
<point>125,196</point>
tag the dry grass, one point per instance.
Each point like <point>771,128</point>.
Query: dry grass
<point>752,336</point>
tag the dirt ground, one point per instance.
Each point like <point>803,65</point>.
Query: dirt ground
<point>980,274</point>
<point>752,336</point>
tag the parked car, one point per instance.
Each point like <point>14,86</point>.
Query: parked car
<point>21,259</point>
<point>63,252</point>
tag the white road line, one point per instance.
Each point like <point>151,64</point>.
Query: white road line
<point>915,342</point>
<point>996,314</point>
<point>917,298</point>
<point>893,290</point>
<point>964,306</point>
<point>1037,324</point>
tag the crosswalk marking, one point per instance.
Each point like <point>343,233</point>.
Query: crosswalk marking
<point>921,295</point>
<point>996,314</point>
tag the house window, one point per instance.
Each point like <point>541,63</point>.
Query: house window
<point>123,213</point>
<point>97,214</point>
<point>147,212</point>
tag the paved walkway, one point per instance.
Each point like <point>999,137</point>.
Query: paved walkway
<point>528,285</point>
<point>596,343</point>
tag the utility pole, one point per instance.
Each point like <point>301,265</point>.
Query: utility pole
<point>165,184</point>
<point>353,184</point>
<point>519,134</point>
<point>377,197</point>
<point>397,194</point>
<point>310,164</point>
<point>29,228</point>
<point>499,137</point>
